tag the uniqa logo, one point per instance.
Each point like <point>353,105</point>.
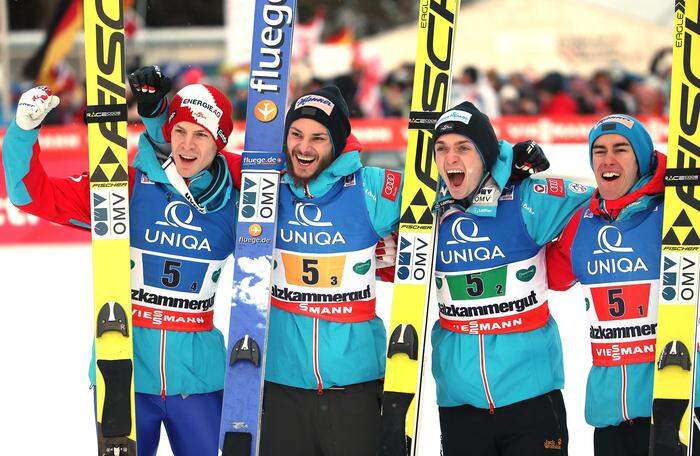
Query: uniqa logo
<point>466,230</point>
<point>173,219</point>
<point>308,214</point>
<point>604,238</point>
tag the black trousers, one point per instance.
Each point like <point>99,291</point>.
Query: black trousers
<point>631,438</point>
<point>532,427</point>
<point>340,422</point>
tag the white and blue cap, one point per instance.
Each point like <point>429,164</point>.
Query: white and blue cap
<point>465,119</point>
<point>633,130</point>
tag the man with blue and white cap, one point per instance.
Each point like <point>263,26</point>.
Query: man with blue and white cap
<point>497,356</point>
<point>613,248</point>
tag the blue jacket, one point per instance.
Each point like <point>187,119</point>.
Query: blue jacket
<point>193,361</point>
<point>622,392</point>
<point>495,370</point>
<point>346,353</point>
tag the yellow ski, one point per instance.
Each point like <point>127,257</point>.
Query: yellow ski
<point>109,195</point>
<point>672,411</point>
<point>431,85</point>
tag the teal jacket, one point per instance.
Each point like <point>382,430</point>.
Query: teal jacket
<point>519,365</point>
<point>194,361</point>
<point>614,393</point>
<point>348,353</point>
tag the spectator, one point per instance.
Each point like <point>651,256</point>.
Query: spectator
<point>470,86</point>
<point>554,100</point>
<point>609,101</point>
<point>519,93</point>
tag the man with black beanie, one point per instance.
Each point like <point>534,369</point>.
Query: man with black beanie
<point>497,357</point>
<point>326,346</point>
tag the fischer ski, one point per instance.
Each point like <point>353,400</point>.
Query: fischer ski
<point>263,159</point>
<point>432,80</point>
<point>674,377</point>
<point>109,195</point>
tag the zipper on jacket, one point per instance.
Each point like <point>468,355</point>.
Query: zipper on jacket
<point>623,393</point>
<point>163,381</point>
<point>484,379</point>
<point>317,368</point>
<point>307,192</point>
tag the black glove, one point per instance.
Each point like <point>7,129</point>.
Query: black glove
<point>528,158</point>
<point>149,87</point>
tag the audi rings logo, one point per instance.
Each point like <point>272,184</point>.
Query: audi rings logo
<point>173,217</point>
<point>610,241</point>
<point>308,214</point>
<point>389,183</point>
<point>466,230</point>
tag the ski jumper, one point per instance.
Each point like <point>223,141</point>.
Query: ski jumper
<point>177,256</point>
<point>326,346</point>
<point>617,262</point>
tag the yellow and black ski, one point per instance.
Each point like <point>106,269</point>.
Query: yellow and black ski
<point>672,411</point>
<point>437,21</point>
<point>109,195</point>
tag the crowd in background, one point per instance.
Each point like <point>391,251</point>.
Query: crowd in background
<point>606,91</point>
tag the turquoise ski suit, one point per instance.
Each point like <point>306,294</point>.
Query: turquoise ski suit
<point>616,393</point>
<point>166,362</point>
<point>490,370</point>
<point>311,353</point>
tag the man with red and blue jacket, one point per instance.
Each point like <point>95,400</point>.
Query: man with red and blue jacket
<point>612,247</point>
<point>182,222</point>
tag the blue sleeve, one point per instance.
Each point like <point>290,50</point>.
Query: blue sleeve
<point>548,204</point>
<point>17,151</point>
<point>154,126</point>
<point>384,211</point>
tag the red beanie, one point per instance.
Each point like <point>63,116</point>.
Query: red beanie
<point>204,105</point>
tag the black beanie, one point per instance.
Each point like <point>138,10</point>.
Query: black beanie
<point>326,106</point>
<point>465,119</point>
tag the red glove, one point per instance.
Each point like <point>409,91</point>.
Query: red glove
<point>385,253</point>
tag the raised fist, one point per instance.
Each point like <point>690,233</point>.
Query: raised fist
<point>528,158</point>
<point>33,106</point>
<point>149,87</point>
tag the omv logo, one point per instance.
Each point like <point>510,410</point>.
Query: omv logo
<point>610,241</point>
<point>176,216</point>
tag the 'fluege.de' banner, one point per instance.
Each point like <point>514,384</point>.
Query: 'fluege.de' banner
<point>64,153</point>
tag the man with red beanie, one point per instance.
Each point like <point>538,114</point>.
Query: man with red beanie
<point>182,222</point>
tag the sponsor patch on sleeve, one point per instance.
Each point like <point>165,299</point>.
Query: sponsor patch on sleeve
<point>578,188</point>
<point>392,182</point>
<point>555,187</point>
<point>507,194</point>
<point>539,188</point>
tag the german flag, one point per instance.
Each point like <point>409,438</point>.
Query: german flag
<point>60,35</point>
<point>344,36</point>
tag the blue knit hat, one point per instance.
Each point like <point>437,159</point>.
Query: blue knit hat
<point>630,128</point>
